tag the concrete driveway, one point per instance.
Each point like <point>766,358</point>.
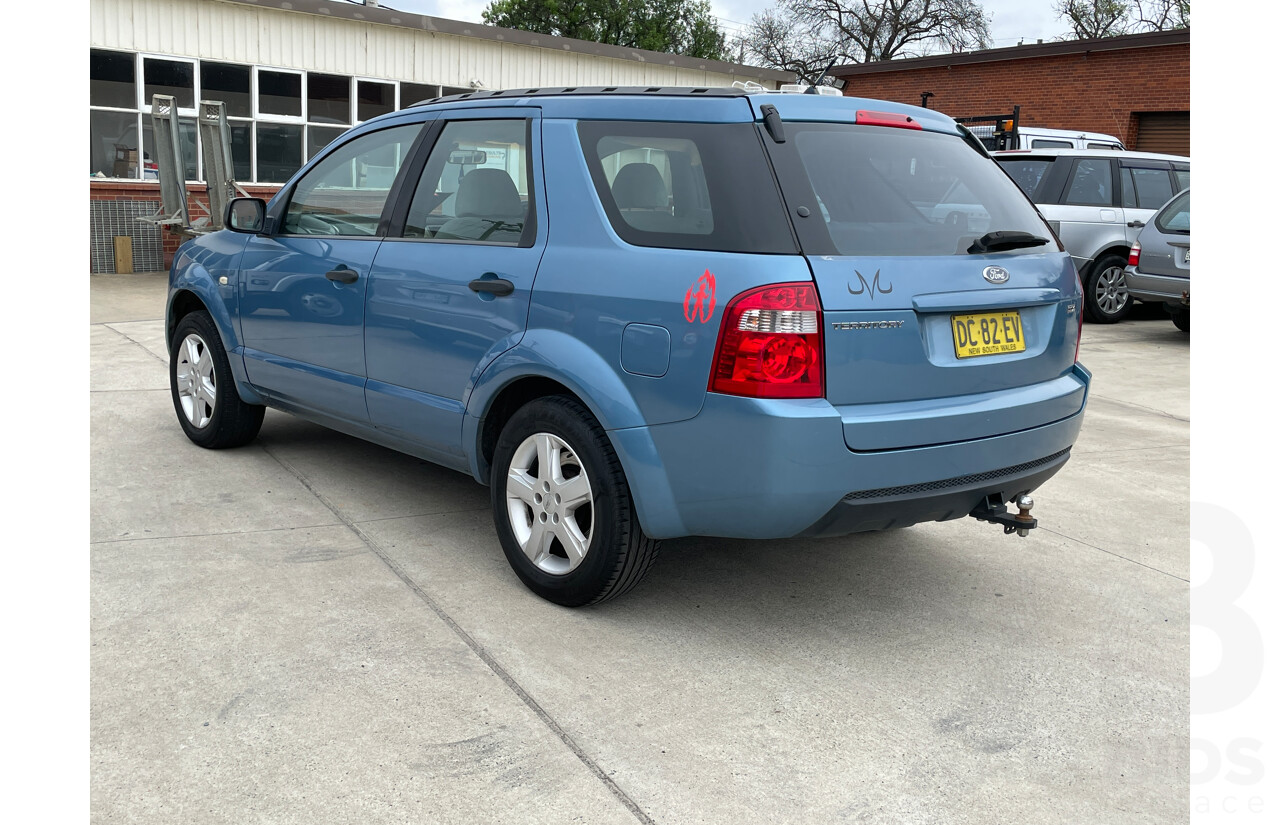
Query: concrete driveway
<point>315,629</point>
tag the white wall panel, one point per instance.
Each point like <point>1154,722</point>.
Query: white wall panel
<point>244,34</point>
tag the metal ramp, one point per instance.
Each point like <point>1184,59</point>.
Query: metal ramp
<point>219,170</point>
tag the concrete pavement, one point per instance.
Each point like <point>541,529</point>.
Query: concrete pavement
<point>316,629</point>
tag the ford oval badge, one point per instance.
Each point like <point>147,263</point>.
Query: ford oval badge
<point>996,274</point>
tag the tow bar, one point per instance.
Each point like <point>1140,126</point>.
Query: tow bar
<point>993,509</point>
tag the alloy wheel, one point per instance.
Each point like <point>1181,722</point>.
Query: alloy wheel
<point>549,503</point>
<point>197,384</point>
<point>1111,292</point>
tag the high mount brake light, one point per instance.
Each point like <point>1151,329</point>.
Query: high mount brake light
<point>899,121</point>
<point>1135,252</point>
<point>770,344</point>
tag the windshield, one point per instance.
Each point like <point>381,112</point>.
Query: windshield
<point>884,191</point>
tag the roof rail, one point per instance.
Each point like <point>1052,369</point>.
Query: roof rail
<point>647,91</point>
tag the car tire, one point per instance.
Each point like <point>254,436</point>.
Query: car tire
<point>573,542</point>
<point>204,390</point>
<point>1181,318</point>
<point>1106,299</point>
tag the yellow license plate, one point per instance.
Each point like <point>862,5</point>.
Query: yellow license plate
<point>988,333</point>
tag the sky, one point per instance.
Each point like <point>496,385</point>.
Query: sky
<point>1012,20</point>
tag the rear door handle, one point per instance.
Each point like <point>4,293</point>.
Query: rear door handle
<point>493,286</point>
<point>1135,224</point>
<point>342,275</point>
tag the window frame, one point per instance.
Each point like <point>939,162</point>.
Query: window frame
<point>416,167</point>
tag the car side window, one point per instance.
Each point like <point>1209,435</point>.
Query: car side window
<point>1153,187</point>
<point>344,194</point>
<point>1128,196</point>
<point>1046,143</point>
<point>1090,183</point>
<point>476,184</point>
<point>1182,174</point>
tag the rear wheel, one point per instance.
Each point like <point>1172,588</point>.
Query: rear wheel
<point>562,507</point>
<point>1181,318</point>
<point>204,390</point>
<point>1106,297</point>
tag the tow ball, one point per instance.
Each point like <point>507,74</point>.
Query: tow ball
<point>993,509</point>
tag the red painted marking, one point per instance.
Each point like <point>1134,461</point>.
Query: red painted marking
<point>701,305</point>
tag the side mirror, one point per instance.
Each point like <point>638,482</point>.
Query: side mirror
<point>247,215</point>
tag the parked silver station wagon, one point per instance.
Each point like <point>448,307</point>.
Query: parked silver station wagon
<point>1097,201</point>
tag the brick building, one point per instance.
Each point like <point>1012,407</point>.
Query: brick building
<point>1136,87</point>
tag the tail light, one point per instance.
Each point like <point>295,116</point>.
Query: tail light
<point>770,344</point>
<point>1135,252</point>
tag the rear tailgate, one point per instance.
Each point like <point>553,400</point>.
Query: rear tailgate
<point>927,342</point>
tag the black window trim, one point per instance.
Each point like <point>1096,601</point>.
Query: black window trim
<point>399,215</point>
<point>277,216</point>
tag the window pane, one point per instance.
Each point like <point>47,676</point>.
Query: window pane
<point>1128,197</point>
<point>229,83</point>
<point>169,77</point>
<point>411,93</point>
<point>899,192</point>
<point>1184,178</point>
<point>1026,173</point>
<point>374,99</point>
<point>690,185</point>
<point>475,186</point>
<point>328,98</point>
<point>241,150</point>
<point>186,142</point>
<point>1045,143</point>
<point>319,137</point>
<point>111,79</point>
<point>1091,183</point>
<point>345,192</point>
<point>279,151</point>
<point>1176,217</point>
<point>113,144</point>
<point>1154,187</point>
<point>280,93</point>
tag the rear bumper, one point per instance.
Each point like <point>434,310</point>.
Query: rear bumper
<point>1148,287</point>
<point>755,468</point>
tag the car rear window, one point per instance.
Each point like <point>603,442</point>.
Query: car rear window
<point>687,186</point>
<point>1176,217</point>
<point>885,191</point>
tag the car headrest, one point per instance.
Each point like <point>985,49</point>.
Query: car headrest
<point>639,186</point>
<point>487,193</point>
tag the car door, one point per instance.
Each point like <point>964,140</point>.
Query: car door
<point>450,285</point>
<point>302,288</point>
<point>1145,186</point>
<point>1088,212</point>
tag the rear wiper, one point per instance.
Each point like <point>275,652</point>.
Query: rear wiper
<point>997,241</point>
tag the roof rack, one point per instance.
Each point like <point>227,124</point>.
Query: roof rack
<point>648,91</point>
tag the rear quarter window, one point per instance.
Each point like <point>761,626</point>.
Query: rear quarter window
<point>687,186</point>
<point>1027,173</point>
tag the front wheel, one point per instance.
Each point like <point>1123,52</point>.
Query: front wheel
<point>204,390</point>
<point>1106,296</point>
<point>562,507</point>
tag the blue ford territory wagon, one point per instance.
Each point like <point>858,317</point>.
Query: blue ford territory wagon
<point>637,314</point>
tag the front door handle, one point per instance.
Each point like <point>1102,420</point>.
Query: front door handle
<point>493,286</point>
<point>342,275</point>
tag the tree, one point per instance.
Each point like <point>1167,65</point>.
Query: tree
<point>804,34</point>
<point>1095,18</point>
<point>1162,15</point>
<point>1108,18</point>
<point>675,26</point>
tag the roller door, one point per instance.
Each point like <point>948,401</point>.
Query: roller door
<point>1168,132</point>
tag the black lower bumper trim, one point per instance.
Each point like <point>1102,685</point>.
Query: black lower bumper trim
<point>890,507</point>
